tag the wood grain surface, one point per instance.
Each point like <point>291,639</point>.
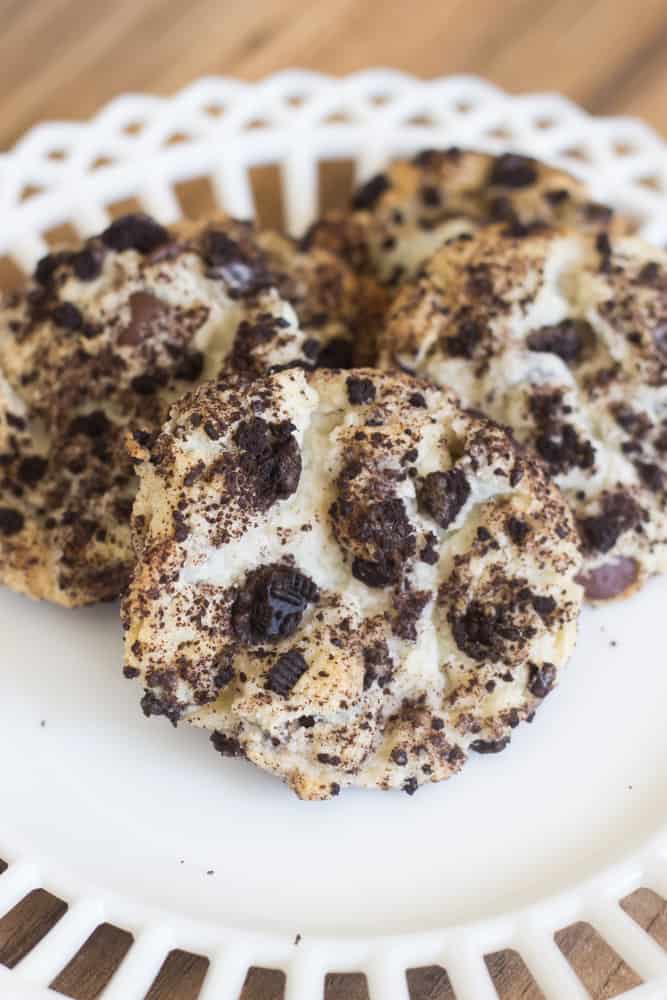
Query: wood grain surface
<point>64,58</point>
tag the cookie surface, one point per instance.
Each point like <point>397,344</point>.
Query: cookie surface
<point>400,217</point>
<point>563,337</point>
<point>101,340</point>
<point>346,578</point>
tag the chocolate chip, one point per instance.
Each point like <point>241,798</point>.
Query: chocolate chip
<point>31,469</point>
<point>271,603</point>
<point>226,745</point>
<point>11,521</point>
<point>143,438</point>
<point>243,269</point>
<point>517,530</point>
<point>543,604</point>
<point>360,390</point>
<point>431,158</point>
<point>620,513</point>
<point>329,758</point>
<point>566,339</point>
<point>609,580</point>
<point>541,679</point>
<point>145,385</point>
<point>417,399</point>
<point>130,672</point>
<point>514,171</point>
<point>463,344</point>
<point>92,425</point>
<point>148,318</point>
<point>399,756</point>
<point>211,430</point>
<point>651,475</point>
<point>334,788</point>
<point>410,786</point>
<point>87,264</point>
<point>649,273</point>
<point>270,458</point>
<point>67,316</point>
<point>285,672</point>
<point>190,367</point>
<point>490,746</point>
<point>135,231</point>
<point>430,196</point>
<point>336,353</point>
<point>305,721</point>
<point>47,266</point>
<point>367,196</point>
<point>603,247</point>
<point>13,420</point>
<point>443,494</point>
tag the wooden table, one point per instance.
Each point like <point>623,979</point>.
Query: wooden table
<point>65,58</point>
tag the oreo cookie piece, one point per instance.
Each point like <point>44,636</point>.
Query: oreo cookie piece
<point>331,580</point>
<point>569,353</point>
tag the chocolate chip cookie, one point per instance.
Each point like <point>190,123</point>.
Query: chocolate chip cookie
<point>347,578</point>
<point>563,337</point>
<point>102,338</point>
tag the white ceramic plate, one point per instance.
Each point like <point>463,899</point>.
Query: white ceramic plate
<point>135,823</point>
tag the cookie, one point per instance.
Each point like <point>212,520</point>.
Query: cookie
<point>563,337</point>
<point>100,341</point>
<point>346,578</point>
<point>400,217</point>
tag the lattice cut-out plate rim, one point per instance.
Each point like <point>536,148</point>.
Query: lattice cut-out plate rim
<point>307,117</point>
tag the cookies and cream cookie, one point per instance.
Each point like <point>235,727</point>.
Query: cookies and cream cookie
<point>400,217</point>
<point>101,340</point>
<point>347,578</point>
<point>563,337</point>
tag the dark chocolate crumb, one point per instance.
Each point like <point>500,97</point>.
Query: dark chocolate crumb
<point>285,672</point>
<point>410,786</point>
<point>135,232</point>
<point>490,746</point>
<point>367,196</point>
<point>360,390</point>
<point>443,494</point>
<point>514,171</point>
<point>541,679</point>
